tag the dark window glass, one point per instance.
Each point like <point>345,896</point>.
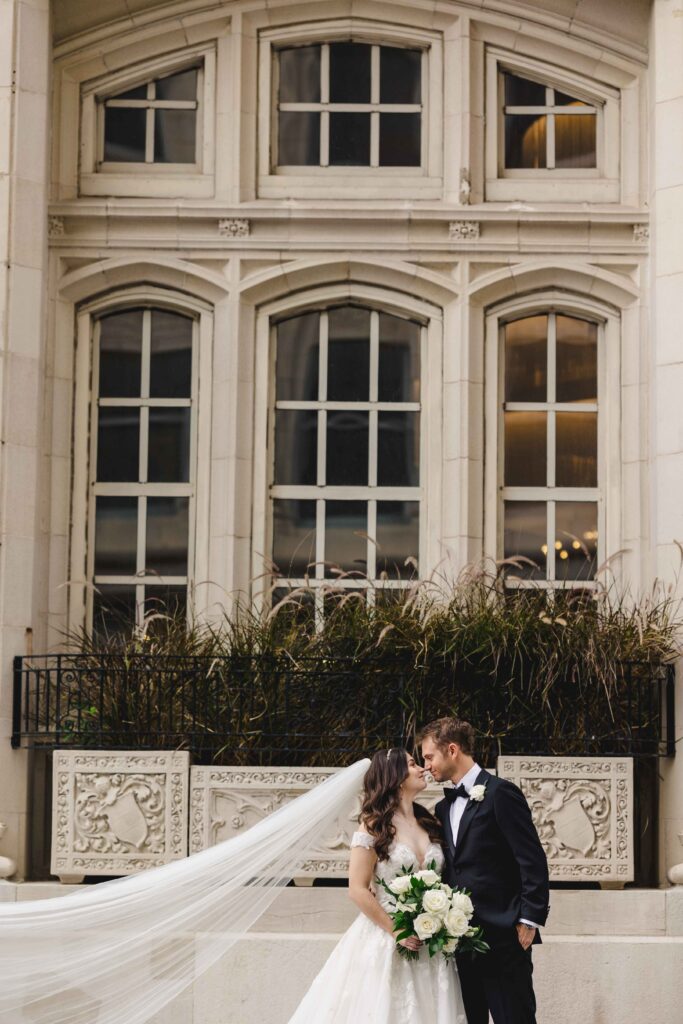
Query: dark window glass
<point>526,359</point>
<point>169,602</point>
<point>525,141</point>
<point>118,444</point>
<point>139,92</point>
<point>171,355</point>
<point>296,446</point>
<point>116,535</point>
<point>525,449</point>
<point>169,446</point>
<point>167,533</point>
<point>577,360</point>
<point>400,75</point>
<point>576,546</point>
<point>577,449</point>
<point>182,86</point>
<point>575,144</point>
<point>348,359</point>
<point>297,358</point>
<point>349,73</point>
<point>398,538</point>
<point>349,140</point>
<point>114,608</point>
<point>347,448</point>
<point>398,449</point>
<point>525,536</point>
<point>300,75</point>
<point>124,134</point>
<point>294,537</point>
<point>400,140</point>
<point>346,525</point>
<point>299,138</point>
<point>120,354</point>
<point>563,100</point>
<point>399,360</point>
<point>521,92</point>
<point>175,136</point>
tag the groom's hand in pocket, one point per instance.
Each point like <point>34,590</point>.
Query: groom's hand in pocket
<point>525,935</point>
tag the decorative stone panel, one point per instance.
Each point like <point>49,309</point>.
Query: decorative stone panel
<point>227,801</point>
<point>583,812</point>
<point>118,812</point>
<point>463,230</point>
<point>234,227</point>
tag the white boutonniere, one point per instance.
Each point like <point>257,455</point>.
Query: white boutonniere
<point>477,793</point>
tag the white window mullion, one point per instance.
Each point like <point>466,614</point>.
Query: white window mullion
<point>374,357</point>
<point>373,435</point>
<point>550,566</point>
<point>141,556</point>
<point>374,98</point>
<point>149,125</point>
<point>551,371</point>
<point>322,448</point>
<point>146,354</point>
<point>323,348</point>
<point>372,540</point>
<point>319,539</point>
<point>325,99</point>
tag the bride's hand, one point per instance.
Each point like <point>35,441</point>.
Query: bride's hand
<point>412,943</point>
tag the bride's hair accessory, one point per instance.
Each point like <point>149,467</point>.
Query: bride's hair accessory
<point>389,752</point>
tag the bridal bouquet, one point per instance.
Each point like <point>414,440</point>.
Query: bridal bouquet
<point>437,914</point>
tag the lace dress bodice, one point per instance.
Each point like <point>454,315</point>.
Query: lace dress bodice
<point>401,857</point>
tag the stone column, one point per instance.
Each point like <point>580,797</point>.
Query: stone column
<point>666,355</point>
<point>24,83</point>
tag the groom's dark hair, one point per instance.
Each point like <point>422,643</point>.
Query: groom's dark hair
<point>450,730</point>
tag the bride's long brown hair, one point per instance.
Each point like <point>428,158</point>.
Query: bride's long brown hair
<point>381,797</point>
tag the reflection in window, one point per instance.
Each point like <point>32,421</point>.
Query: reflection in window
<point>346,490</point>
<point>154,123</point>
<point>546,128</point>
<point>142,465</point>
<point>550,448</point>
<point>349,105</point>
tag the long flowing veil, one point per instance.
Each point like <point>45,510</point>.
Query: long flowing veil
<point>117,952</point>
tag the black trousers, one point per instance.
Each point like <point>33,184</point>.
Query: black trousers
<point>499,982</point>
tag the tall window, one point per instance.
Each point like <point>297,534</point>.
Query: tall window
<point>141,465</point>
<point>349,105</point>
<point>346,491</point>
<point>551,476</point>
<point>546,128</point>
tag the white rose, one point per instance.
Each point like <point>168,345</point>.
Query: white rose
<point>456,922</point>
<point>400,885</point>
<point>435,902</point>
<point>446,888</point>
<point>459,901</point>
<point>426,925</point>
<point>450,946</point>
<point>428,876</point>
<point>478,793</point>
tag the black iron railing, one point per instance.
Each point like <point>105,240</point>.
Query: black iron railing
<point>270,710</point>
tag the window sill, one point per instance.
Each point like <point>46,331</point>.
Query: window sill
<point>343,185</point>
<point>543,189</point>
<point>152,183</point>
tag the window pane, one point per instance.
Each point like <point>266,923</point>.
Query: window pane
<point>577,360</point>
<point>182,86</point>
<point>175,136</point>
<point>168,601</point>
<point>116,532</point>
<point>297,358</point>
<point>350,140</point>
<point>349,73</point>
<point>169,446</point>
<point>562,99</point>
<point>400,75</point>
<point>398,449</point>
<point>118,445</point>
<point>120,354</point>
<point>399,140</point>
<point>167,536</point>
<point>399,360</point>
<point>398,538</point>
<point>575,144</point>
<point>348,359</point>
<point>113,609</point>
<point>526,359</point>
<point>296,447</point>
<point>577,449</point>
<point>171,355</point>
<point>576,528</point>
<point>526,537</point>
<point>521,92</point>
<point>300,75</point>
<point>525,449</point>
<point>124,134</point>
<point>298,138</point>
<point>525,136</point>
<point>347,448</point>
<point>346,527</point>
<point>294,537</point>
<point>137,93</point>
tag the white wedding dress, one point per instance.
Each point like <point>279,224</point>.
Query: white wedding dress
<point>366,981</point>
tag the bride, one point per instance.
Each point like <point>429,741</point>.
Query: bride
<point>365,979</point>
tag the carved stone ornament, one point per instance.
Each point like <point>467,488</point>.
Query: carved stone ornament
<point>227,801</point>
<point>463,230</point>
<point>118,812</point>
<point>234,227</point>
<point>641,233</point>
<point>583,812</point>
<point>55,226</point>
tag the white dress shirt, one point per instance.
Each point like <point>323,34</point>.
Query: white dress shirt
<point>457,809</point>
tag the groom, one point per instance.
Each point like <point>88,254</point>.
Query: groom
<point>493,850</point>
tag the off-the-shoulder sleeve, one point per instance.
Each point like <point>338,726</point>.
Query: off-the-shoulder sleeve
<point>362,839</point>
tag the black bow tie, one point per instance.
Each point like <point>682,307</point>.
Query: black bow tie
<point>453,792</point>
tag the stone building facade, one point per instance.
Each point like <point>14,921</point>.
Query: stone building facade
<point>438,241</point>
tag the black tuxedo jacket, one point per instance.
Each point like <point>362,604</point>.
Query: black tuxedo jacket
<point>498,857</point>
